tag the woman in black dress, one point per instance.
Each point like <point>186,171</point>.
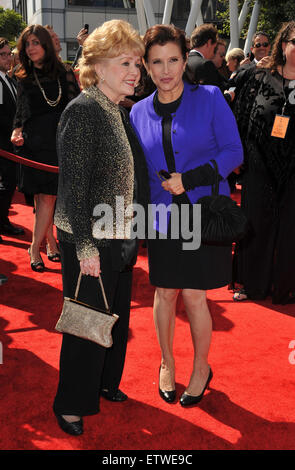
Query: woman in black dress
<point>44,89</point>
<point>181,128</point>
<point>264,262</point>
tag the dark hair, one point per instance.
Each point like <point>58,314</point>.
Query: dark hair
<point>277,56</point>
<point>3,42</point>
<point>51,64</point>
<point>162,34</point>
<point>259,33</point>
<point>202,34</point>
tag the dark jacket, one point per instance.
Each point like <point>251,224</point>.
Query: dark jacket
<point>96,166</point>
<point>7,112</point>
<point>203,71</point>
<point>242,76</point>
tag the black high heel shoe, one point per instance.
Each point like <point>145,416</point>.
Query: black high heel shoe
<point>37,266</point>
<point>168,396</point>
<point>75,428</point>
<point>54,257</point>
<point>190,400</point>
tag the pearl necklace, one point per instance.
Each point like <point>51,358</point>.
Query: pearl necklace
<point>51,103</point>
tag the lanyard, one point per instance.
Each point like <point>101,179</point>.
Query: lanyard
<point>281,122</point>
<point>284,93</point>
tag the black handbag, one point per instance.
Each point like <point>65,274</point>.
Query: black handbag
<point>223,222</point>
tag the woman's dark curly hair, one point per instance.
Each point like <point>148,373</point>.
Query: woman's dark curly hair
<point>277,56</point>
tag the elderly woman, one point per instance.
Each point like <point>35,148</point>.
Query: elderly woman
<point>233,59</point>
<point>182,127</point>
<point>265,111</point>
<point>100,160</point>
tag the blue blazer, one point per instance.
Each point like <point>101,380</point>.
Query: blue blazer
<point>203,128</point>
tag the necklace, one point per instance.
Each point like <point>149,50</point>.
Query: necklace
<point>52,103</point>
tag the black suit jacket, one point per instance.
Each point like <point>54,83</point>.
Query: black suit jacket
<point>8,169</point>
<point>7,113</point>
<point>242,76</point>
<point>203,71</point>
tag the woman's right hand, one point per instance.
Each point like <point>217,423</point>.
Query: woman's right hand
<point>17,137</point>
<point>90,266</point>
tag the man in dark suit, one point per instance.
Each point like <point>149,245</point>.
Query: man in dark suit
<point>8,169</point>
<point>260,50</point>
<point>200,68</point>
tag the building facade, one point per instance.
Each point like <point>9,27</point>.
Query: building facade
<point>68,16</point>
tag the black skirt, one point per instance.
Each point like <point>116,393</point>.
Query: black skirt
<point>208,267</point>
<point>40,146</point>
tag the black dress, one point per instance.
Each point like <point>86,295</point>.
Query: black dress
<point>39,121</point>
<point>170,266</point>
<point>264,262</point>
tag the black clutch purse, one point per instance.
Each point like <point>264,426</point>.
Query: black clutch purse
<point>223,222</point>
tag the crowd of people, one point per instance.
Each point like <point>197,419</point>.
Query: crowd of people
<point>146,120</point>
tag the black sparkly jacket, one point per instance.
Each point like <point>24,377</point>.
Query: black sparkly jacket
<point>100,160</point>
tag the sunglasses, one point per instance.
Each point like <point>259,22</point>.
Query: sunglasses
<point>263,44</point>
<point>292,41</point>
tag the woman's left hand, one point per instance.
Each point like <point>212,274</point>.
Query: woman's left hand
<point>174,184</point>
<point>90,266</point>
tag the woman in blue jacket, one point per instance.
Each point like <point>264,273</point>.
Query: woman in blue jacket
<point>181,128</point>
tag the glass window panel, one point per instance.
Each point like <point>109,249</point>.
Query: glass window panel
<point>103,3</point>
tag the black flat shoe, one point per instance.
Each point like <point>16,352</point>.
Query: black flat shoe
<point>190,400</point>
<point>37,266</point>
<point>117,396</point>
<point>168,396</point>
<point>75,429</point>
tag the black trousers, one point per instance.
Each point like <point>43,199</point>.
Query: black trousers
<point>86,367</point>
<point>8,177</point>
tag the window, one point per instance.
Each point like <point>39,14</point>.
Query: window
<point>103,3</point>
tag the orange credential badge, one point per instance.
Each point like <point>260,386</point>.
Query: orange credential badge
<point>280,126</point>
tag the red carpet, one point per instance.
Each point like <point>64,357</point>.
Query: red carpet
<point>250,404</point>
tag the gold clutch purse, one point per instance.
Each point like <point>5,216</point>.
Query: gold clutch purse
<point>87,322</point>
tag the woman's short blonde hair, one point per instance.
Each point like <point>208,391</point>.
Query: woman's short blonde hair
<point>235,53</point>
<point>110,40</point>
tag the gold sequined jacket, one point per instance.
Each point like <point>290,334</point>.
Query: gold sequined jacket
<point>96,166</point>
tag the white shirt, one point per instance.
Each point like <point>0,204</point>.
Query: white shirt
<point>9,84</point>
<point>196,50</point>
